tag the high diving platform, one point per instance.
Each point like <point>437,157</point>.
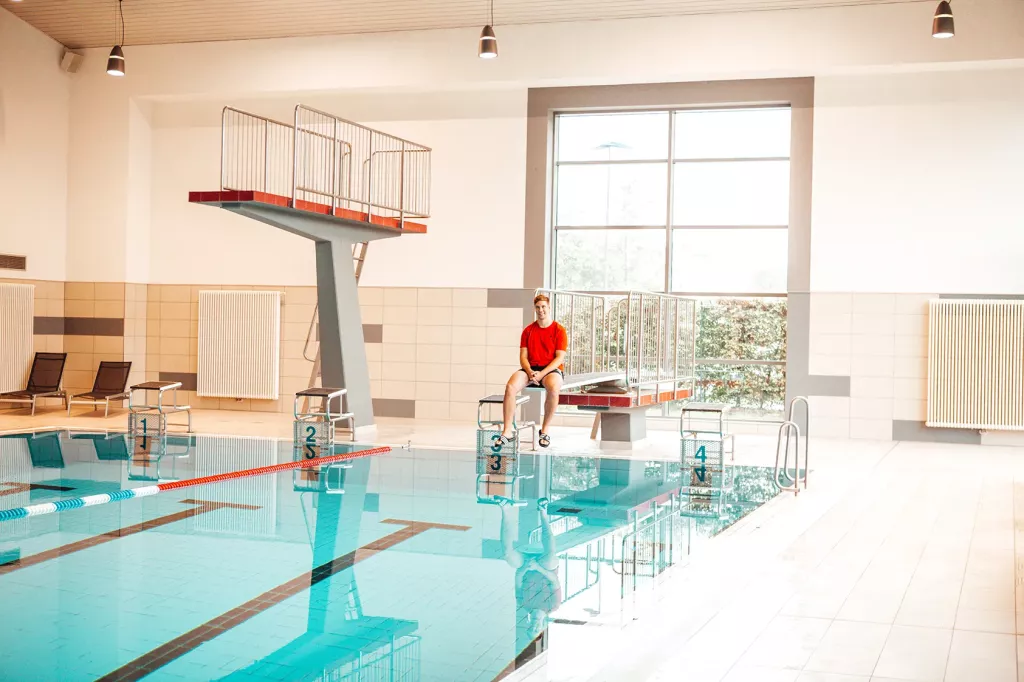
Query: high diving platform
<point>339,184</point>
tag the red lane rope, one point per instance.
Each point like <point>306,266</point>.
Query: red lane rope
<point>302,463</point>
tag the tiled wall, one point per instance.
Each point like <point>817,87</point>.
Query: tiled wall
<point>879,341</point>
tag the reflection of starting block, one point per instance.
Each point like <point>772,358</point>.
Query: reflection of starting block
<point>498,476</point>
<point>329,478</point>
<point>706,476</point>
<point>148,454</point>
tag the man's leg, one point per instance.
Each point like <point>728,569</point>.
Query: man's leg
<point>515,384</point>
<point>552,386</point>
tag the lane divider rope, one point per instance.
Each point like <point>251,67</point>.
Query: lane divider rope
<point>146,491</point>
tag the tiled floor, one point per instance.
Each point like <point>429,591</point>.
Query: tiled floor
<point>899,563</point>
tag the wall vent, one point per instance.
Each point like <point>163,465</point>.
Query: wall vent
<point>9,262</point>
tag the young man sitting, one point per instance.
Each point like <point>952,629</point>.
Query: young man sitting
<point>542,347</point>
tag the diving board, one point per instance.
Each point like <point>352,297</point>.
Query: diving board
<point>337,183</point>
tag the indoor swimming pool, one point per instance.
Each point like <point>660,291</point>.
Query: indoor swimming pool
<point>406,566</point>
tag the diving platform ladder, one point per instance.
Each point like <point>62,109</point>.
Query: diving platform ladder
<point>339,184</point>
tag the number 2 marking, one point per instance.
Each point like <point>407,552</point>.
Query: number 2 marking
<point>310,442</point>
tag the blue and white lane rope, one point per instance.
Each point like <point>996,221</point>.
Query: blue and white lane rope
<point>146,491</point>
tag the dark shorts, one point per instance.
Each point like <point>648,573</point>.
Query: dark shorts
<point>538,369</point>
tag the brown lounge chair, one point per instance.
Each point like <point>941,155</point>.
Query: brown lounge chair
<point>43,381</point>
<point>111,384</point>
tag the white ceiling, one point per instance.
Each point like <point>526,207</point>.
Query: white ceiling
<point>91,23</point>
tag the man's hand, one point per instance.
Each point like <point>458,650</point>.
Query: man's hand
<point>536,377</point>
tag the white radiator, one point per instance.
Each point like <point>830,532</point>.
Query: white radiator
<point>976,364</point>
<point>239,344</point>
<point>16,335</point>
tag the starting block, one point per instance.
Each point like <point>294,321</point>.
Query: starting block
<point>707,478</point>
<point>145,417</point>
<point>314,431</point>
<point>519,423</point>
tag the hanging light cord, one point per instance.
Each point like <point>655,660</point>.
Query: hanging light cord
<point>120,11</point>
<point>492,12</point>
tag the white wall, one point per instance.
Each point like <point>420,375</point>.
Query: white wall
<point>477,191</point>
<point>918,183</point>
<point>140,192</point>
<point>34,96</point>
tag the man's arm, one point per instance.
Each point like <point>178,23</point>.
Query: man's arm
<point>524,361</point>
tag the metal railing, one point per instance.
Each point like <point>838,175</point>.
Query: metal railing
<point>648,338</point>
<point>652,546</point>
<point>325,159</point>
<point>789,428</point>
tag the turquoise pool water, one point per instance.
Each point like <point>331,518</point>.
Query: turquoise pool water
<point>404,566</point>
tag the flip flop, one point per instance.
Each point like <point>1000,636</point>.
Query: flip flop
<point>502,441</point>
<point>544,440</point>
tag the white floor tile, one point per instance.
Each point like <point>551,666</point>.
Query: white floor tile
<point>913,653</point>
<point>849,648</point>
<point>986,620</point>
<point>760,674</point>
<point>982,657</point>
<point>787,642</point>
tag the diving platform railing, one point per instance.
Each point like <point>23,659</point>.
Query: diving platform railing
<point>326,164</point>
<point>644,342</point>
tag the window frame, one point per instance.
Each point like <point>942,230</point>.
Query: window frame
<point>670,162</point>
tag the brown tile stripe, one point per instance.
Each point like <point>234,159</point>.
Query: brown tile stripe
<point>48,325</point>
<point>64,550</point>
<point>94,326</point>
<point>179,646</point>
<point>25,487</point>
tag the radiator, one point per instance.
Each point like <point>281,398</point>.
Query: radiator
<point>239,344</point>
<point>16,340</point>
<point>976,364</point>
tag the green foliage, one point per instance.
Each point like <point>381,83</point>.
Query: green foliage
<point>742,329</point>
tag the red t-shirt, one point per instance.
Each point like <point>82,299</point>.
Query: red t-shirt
<point>542,342</point>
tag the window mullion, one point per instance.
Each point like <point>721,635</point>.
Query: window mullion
<point>670,207</point>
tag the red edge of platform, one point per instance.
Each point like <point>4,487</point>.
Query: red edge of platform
<point>219,197</point>
<point>611,400</point>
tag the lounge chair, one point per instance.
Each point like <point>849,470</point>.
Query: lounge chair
<point>111,384</point>
<point>43,381</point>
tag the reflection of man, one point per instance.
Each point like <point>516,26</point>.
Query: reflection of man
<point>542,347</point>
<point>538,591</point>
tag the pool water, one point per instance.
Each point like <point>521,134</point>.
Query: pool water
<point>403,566</point>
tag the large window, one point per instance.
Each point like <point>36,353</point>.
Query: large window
<point>692,202</point>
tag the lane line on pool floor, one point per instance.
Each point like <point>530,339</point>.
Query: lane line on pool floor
<point>10,488</point>
<point>196,637</point>
<point>203,507</point>
<point>149,490</point>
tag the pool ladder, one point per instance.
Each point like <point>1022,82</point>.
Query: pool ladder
<point>789,428</point>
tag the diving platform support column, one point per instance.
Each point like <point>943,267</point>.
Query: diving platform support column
<point>342,350</point>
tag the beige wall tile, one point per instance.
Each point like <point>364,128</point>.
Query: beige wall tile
<point>109,291</point>
<point>399,296</point>
<point>871,365</point>
<point>299,369</point>
<point>874,303</point>
<point>497,375</point>
<point>870,408</point>
<point>871,387</point>
<point>469,298</point>
<point>174,363</point>
<point>54,308</point>
<point>463,412</point>
<point>912,325</point>
<point>300,295</point>
<point>434,335</point>
<point>79,291</point>
<point>371,296</point>
<point>402,315</point>
<point>152,311</point>
<point>470,355</point>
<point>471,374</point>
<point>398,371</point>
<point>174,311</point>
<point>395,333</point>
<point>910,388</point>
<point>433,316</point>
<point>278,405</point>
<point>504,317</point>
<point>830,406</point>
<point>53,291</point>
<point>437,353</point>
<point>374,352</point>
<point>429,390</point>
<point>373,314</point>
<point>506,337</point>
<point>78,379</point>
<point>170,329</point>
<point>872,344</point>
<point>398,352</point>
<point>467,392</point>
<point>109,345</point>
<point>237,405</point>
<point>175,293</point>
<point>113,309</point>
<point>873,323</point>
<point>502,356</point>
<point>55,344</point>
<point>830,427</point>
<point>430,409</point>
<point>141,310</point>
<point>294,331</point>
<point>440,373</point>
<point>871,429</point>
<point>401,390</point>
<point>193,364</point>
<point>193,329</point>
<point>293,349</point>
<point>80,362</point>
<point>831,304</point>
<point>129,328</point>
<point>830,344</point>
<point>911,347</point>
<point>469,317</point>
<point>434,297</point>
<point>912,367</point>
<point>152,363</point>
<point>375,370</point>
<point>175,346</point>
<point>40,343</point>
<point>470,336</point>
<point>910,410</point>
<point>79,344</point>
<point>79,308</point>
<point>833,323</point>
<point>913,304</point>
<point>302,313</point>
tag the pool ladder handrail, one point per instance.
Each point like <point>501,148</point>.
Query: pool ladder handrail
<point>790,427</point>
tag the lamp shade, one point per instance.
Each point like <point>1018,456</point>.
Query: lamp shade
<point>488,44</point>
<point>115,62</point>
<point>942,22</point>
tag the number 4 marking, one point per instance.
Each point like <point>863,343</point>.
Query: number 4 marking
<point>703,457</point>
